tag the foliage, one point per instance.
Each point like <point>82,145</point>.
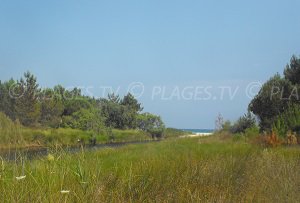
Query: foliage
<point>52,108</point>
<point>289,120</point>
<point>27,105</point>
<point>58,107</point>
<point>275,96</point>
<point>243,123</point>
<point>244,126</point>
<point>120,113</point>
<point>151,124</point>
<point>271,100</point>
<point>7,101</point>
<point>292,71</point>
<point>85,119</point>
<point>131,103</point>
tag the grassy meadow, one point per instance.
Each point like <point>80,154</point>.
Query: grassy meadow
<point>211,169</point>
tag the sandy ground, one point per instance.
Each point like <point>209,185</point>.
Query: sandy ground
<point>197,135</point>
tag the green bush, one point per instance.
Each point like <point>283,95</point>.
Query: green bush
<point>243,123</point>
<point>289,120</point>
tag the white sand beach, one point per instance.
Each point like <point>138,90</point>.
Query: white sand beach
<point>197,135</point>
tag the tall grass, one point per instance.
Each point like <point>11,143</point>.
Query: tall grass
<point>182,170</point>
<point>67,136</point>
<point>10,132</point>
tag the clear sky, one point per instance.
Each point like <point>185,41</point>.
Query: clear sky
<point>168,46</point>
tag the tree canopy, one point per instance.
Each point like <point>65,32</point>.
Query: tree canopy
<point>276,95</point>
<point>56,107</point>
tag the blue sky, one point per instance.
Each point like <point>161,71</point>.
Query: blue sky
<point>166,44</point>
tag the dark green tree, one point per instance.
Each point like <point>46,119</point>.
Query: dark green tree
<point>131,110</point>
<point>132,103</point>
<point>288,120</point>
<point>273,98</point>
<point>51,108</point>
<point>292,71</point>
<point>27,105</point>
<point>7,98</point>
<point>59,107</point>
<point>113,113</point>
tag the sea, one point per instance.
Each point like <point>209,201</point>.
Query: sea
<point>199,131</point>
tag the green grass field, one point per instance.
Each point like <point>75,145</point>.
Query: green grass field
<point>175,170</point>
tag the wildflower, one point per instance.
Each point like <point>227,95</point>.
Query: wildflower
<point>65,191</point>
<point>20,177</point>
<point>50,157</point>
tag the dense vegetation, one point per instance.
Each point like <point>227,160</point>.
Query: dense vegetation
<point>277,95</point>
<point>24,105</point>
<point>276,107</point>
<point>14,134</point>
<point>213,169</point>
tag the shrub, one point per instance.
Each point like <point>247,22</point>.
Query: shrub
<point>152,124</point>
<point>243,123</point>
